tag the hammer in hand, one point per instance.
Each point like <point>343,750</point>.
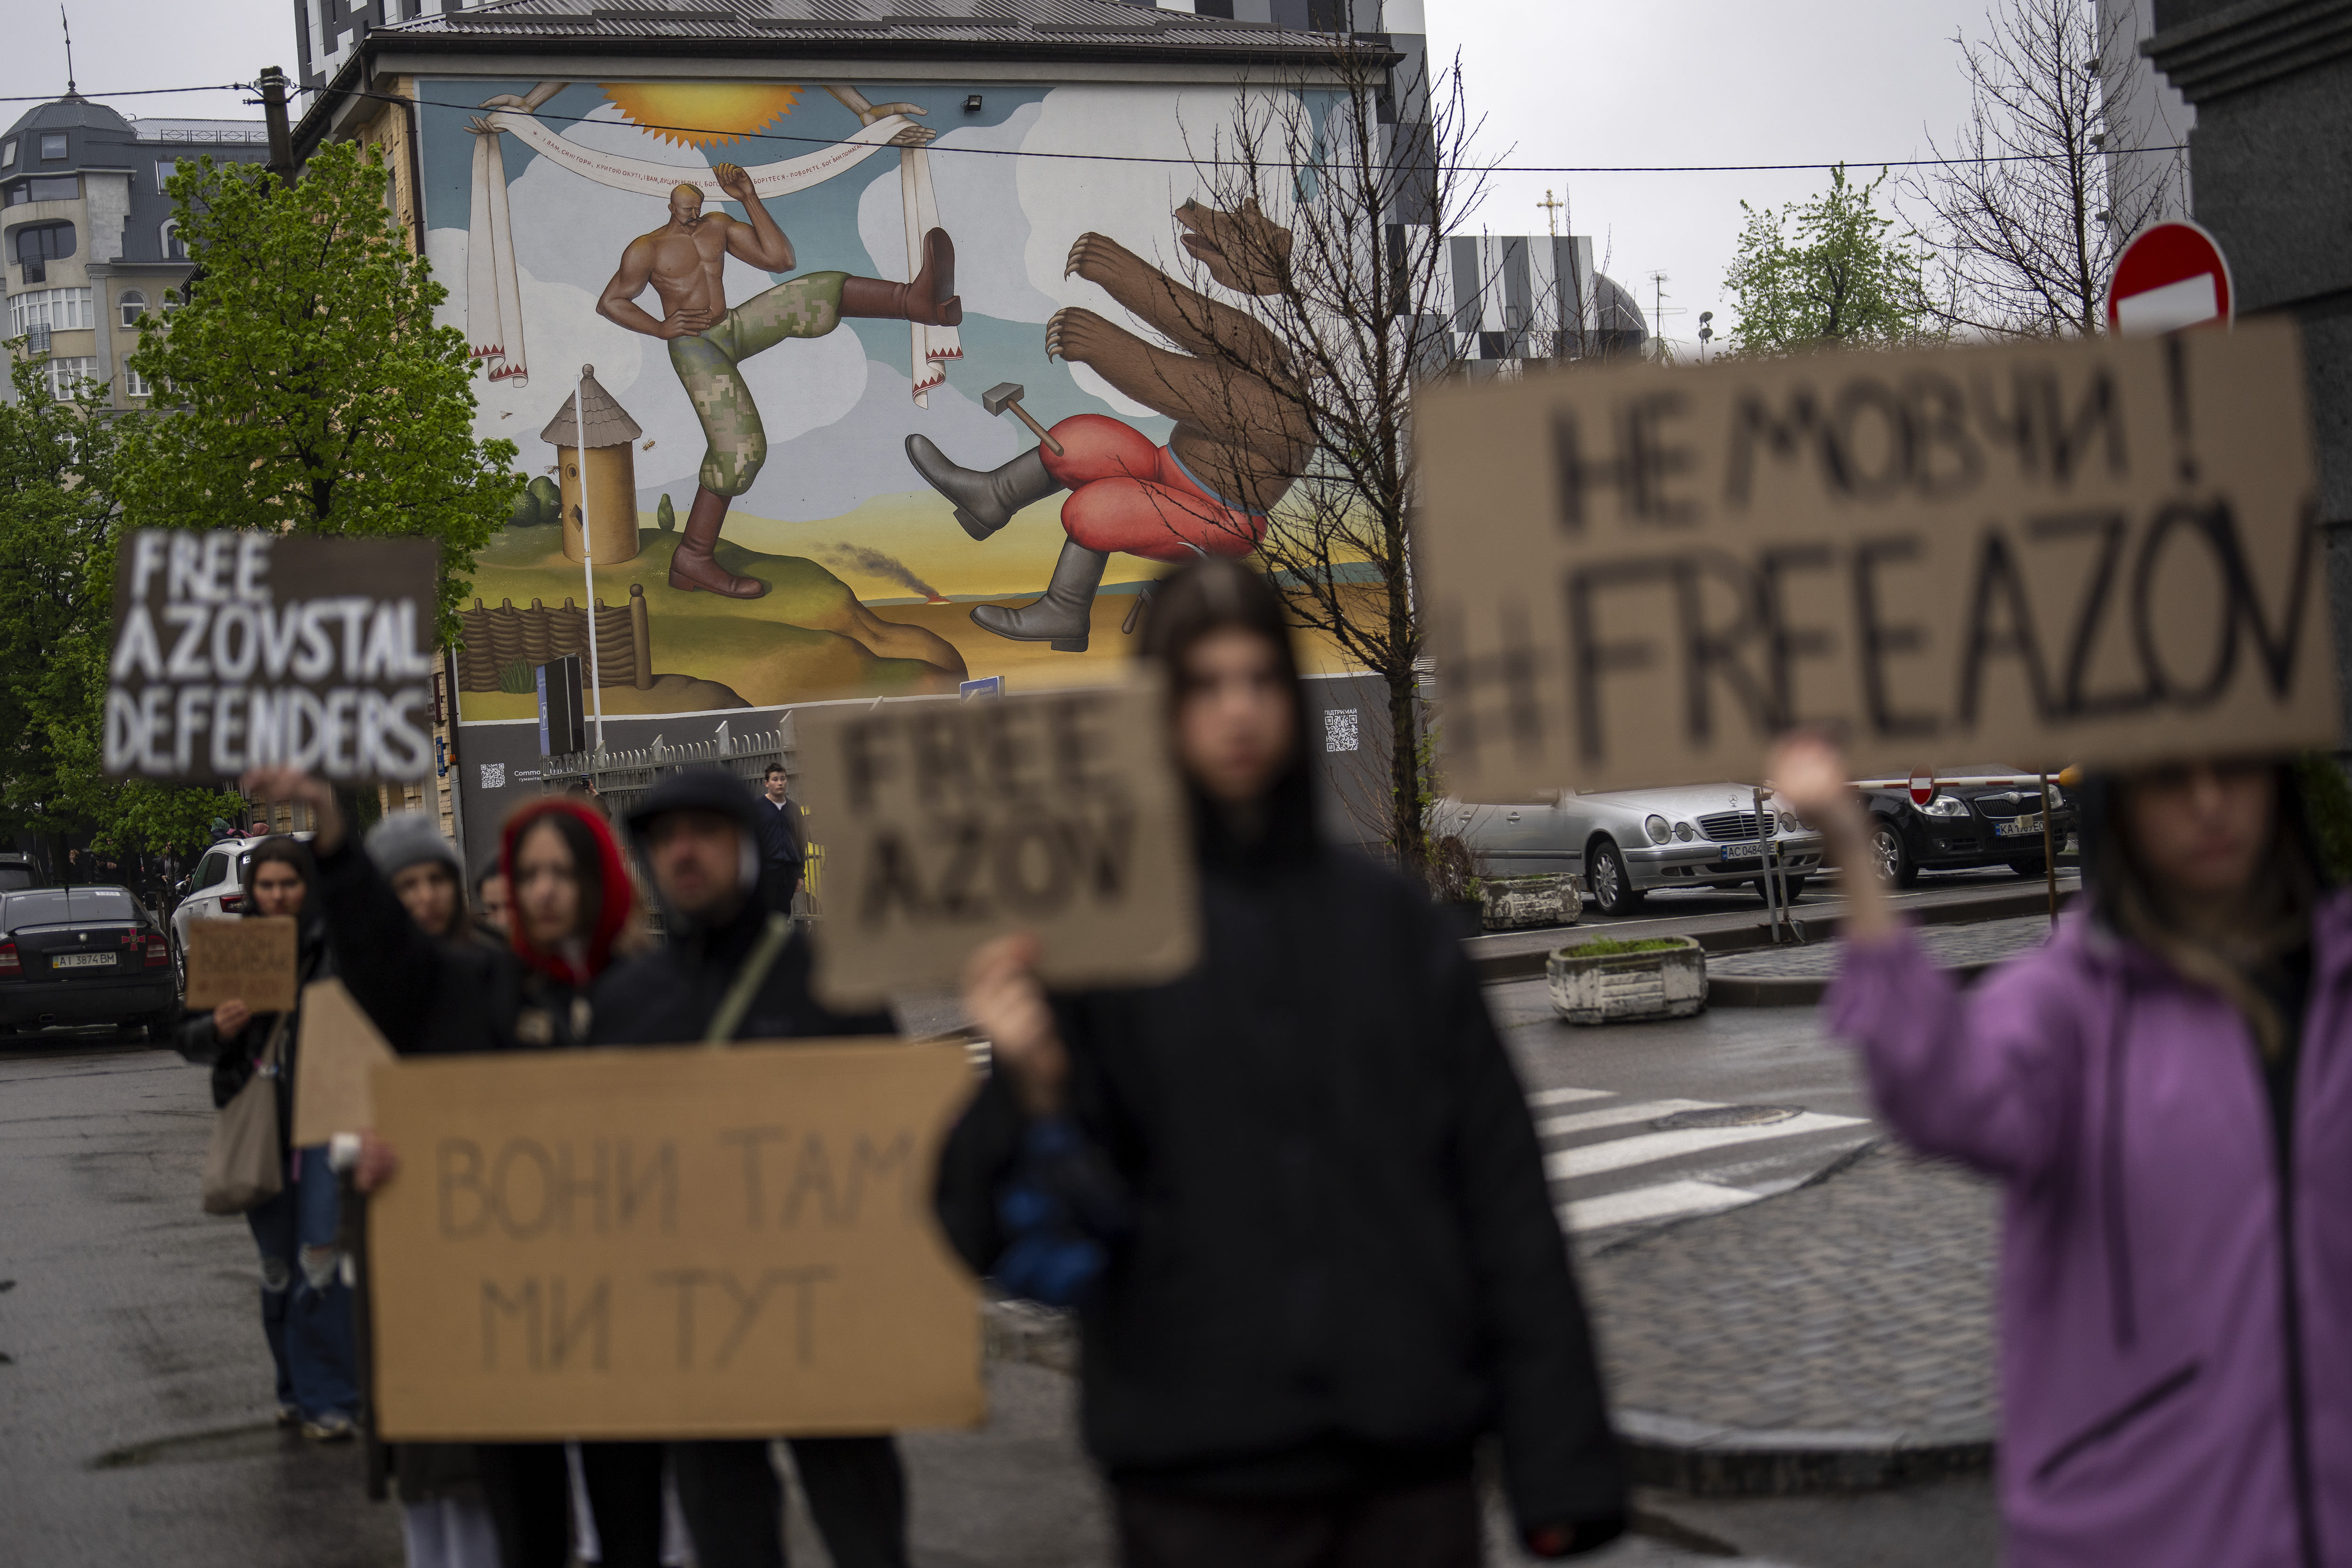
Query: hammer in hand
<point>1008,394</point>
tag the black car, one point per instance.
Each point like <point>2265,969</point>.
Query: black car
<point>18,870</point>
<point>82,955</point>
<point>1977,817</point>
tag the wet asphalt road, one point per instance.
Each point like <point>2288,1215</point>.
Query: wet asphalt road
<point>135,1403</point>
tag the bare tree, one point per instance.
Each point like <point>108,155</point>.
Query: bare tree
<point>2029,216</point>
<point>1312,294</point>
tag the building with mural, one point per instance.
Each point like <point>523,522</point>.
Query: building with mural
<point>825,328</point>
<point>87,233</point>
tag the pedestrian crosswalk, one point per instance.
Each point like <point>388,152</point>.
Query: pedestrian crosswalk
<point>1616,1161</point>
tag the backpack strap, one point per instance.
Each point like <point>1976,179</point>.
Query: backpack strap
<point>747,981</point>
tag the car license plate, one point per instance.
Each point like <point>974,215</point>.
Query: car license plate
<point>2020,827</point>
<point>1746,852</point>
<point>83,961</point>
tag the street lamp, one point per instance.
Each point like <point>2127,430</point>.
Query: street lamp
<point>1705,332</point>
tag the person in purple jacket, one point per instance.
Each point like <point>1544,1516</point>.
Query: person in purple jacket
<point>2165,1092</point>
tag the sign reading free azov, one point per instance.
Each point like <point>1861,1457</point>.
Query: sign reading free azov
<point>248,650</point>
<point>2098,551</point>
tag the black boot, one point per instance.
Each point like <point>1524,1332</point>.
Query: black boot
<point>1064,614</point>
<point>984,502</point>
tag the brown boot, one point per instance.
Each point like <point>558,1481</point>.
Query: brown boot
<point>930,298</point>
<point>693,567</point>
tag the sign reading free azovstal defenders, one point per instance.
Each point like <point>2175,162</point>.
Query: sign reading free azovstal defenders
<point>237,650</point>
<point>670,1243</point>
<point>2099,552</point>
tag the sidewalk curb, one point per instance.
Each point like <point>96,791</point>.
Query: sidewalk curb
<point>1493,969</point>
<point>1766,991</point>
<point>1704,1461</point>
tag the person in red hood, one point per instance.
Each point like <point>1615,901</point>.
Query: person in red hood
<point>574,911</point>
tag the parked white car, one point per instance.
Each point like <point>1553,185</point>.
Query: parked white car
<point>214,890</point>
<point>1627,843</point>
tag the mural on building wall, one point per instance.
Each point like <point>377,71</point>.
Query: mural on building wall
<point>877,404</point>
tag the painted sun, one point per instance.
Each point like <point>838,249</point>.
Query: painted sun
<point>702,114</point>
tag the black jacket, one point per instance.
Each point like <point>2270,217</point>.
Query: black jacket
<point>430,996</point>
<point>1343,1265</point>
<point>782,842</point>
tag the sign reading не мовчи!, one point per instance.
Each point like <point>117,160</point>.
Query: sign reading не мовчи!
<point>2100,551</point>
<point>236,650</point>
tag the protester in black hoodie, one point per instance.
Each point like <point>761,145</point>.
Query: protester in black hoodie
<point>573,906</point>
<point>1296,1195</point>
<point>730,951</point>
<point>306,1308</point>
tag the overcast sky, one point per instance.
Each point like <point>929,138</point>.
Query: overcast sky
<point>1560,82</point>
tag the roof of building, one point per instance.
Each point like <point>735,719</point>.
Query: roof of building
<point>799,25</point>
<point>71,112</point>
<point>609,424</point>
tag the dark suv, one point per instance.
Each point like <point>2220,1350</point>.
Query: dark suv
<point>1978,816</point>
<point>82,955</point>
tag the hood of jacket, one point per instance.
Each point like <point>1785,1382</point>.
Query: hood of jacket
<point>616,893</point>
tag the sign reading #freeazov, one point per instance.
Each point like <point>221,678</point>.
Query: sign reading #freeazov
<point>2099,552</point>
<point>248,650</point>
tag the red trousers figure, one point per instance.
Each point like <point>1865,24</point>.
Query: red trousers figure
<point>1129,495</point>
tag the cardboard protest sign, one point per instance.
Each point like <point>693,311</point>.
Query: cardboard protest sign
<point>338,1054</point>
<point>249,961</point>
<point>244,650</point>
<point>2098,551</point>
<point>669,1243</point>
<point>950,822</point>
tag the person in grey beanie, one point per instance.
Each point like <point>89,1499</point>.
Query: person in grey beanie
<point>425,873</point>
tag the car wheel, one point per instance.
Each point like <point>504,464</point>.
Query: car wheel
<point>179,965</point>
<point>1613,887</point>
<point>1889,859</point>
<point>1793,887</point>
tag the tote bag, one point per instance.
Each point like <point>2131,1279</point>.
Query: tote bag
<point>245,1168</point>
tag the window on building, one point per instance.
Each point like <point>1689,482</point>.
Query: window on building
<point>173,249</point>
<point>134,384</point>
<point>133,304</point>
<point>67,376</point>
<point>62,310</point>
<point>171,300</point>
<point>53,147</point>
<point>165,169</point>
<point>37,245</point>
<point>56,188</point>
<point>8,153</point>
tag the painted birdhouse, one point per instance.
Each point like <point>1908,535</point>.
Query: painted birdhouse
<point>595,448</point>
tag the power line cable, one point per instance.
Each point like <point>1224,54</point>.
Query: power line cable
<point>1186,163</point>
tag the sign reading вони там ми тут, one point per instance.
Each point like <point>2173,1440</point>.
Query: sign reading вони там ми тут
<point>237,650</point>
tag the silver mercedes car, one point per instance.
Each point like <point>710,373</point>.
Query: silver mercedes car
<point>1627,843</point>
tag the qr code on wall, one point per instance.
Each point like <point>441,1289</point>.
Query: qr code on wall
<point>493,775</point>
<point>1339,729</point>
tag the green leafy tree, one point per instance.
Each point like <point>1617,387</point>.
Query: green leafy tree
<point>304,386</point>
<point>58,522</point>
<point>1828,273</point>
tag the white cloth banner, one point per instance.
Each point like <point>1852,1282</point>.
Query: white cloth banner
<point>931,344</point>
<point>494,291</point>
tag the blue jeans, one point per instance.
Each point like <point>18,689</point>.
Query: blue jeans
<point>306,1308</point>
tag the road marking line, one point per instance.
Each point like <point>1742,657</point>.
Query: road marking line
<point>1620,1153</point>
<point>1618,1116</point>
<point>1663,1201</point>
<point>1568,1096</point>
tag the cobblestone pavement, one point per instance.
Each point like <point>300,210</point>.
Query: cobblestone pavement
<point>1860,1303</point>
<point>1986,942</point>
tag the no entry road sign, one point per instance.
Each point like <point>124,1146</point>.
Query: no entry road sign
<point>2170,276</point>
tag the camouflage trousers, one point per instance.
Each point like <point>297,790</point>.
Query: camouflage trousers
<point>736,444</point>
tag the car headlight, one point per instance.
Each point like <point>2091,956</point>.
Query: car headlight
<point>1685,831</point>
<point>1945,806</point>
<point>2057,797</point>
<point>1657,830</point>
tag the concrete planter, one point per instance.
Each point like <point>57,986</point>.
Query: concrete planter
<point>1621,988</point>
<point>1524,903</point>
